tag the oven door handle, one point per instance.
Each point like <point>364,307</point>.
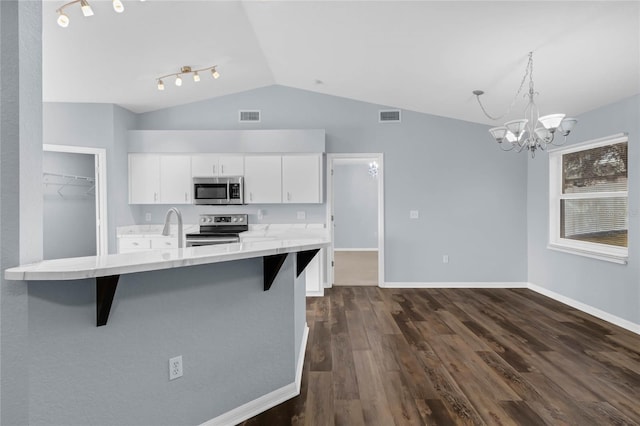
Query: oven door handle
<point>228,189</point>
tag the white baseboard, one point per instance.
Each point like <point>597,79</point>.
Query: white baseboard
<point>355,249</point>
<point>454,285</point>
<point>318,293</point>
<point>262,404</point>
<point>615,320</point>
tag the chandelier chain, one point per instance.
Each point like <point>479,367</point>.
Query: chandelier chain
<point>528,72</point>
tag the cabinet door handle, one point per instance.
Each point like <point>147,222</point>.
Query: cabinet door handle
<point>213,168</point>
<point>222,169</point>
<point>155,196</point>
<point>250,196</point>
<point>135,244</point>
<point>288,196</point>
<point>185,196</point>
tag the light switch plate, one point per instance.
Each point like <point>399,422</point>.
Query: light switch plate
<point>302,215</point>
<point>147,217</point>
<point>414,214</point>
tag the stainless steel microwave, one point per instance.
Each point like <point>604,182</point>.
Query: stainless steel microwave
<point>218,190</point>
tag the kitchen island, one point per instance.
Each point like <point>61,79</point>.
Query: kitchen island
<point>242,346</point>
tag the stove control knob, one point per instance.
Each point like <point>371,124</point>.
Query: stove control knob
<point>235,219</point>
<point>241,219</point>
<point>203,219</point>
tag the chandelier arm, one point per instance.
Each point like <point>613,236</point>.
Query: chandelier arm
<point>521,147</point>
<point>528,72</point>
<point>506,150</point>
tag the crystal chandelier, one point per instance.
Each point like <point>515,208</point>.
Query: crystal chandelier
<point>532,132</point>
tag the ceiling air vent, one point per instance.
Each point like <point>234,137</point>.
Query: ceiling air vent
<point>249,116</point>
<point>389,116</point>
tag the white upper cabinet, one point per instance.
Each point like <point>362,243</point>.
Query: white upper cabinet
<point>263,179</point>
<point>207,165</point>
<point>302,178</point>
<point>175,179</point>
<point>144,178</point>
<point>159,179</point>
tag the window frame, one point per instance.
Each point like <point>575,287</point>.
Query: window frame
<point>583,248</point>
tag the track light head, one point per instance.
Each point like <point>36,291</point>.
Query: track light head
<point>86,8</point>
<point>63,20</point>
<point>196,77</point>
<point>178,80</point>
<point>118,6</point>
<point>215,73</point>
<point>160,84</point>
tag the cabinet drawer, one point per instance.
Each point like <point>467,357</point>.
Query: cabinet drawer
<point>131,244</point>
<point>158,243</point>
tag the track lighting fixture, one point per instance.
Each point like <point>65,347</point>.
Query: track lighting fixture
<point>118,6</point>
<point>86,8</point>
<point>63,19</point>
<point>187,70</point>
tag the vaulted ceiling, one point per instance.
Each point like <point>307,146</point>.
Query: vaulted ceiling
<point>426,56</point>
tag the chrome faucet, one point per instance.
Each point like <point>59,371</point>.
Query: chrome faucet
<point>165,230</point>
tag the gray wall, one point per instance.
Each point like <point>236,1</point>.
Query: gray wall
<point>470,194</point>
<point>69,211</point>
<point>606,286</point>
<point>98,126</point>
<point>355,206</point>
<point>20,196</point>
<point>237,342</point>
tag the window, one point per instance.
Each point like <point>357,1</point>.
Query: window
<point>588,199</point>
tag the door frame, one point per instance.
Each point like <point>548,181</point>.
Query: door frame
<point>379,158</point>
<point>100,161</point>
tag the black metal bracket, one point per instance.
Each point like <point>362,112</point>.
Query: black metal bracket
<point>271,267</point>
<point>105,290</point>
<point>303,258</point>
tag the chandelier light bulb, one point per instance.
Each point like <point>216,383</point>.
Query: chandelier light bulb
<point>160,85</point>
<point>196,77</point>
<point>118,6</point>
<point>63,20</point>
<point>86,8</point>
<point>215,73</point>
<point>178,81</point>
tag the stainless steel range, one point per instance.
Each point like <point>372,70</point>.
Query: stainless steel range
<point>218,229</point>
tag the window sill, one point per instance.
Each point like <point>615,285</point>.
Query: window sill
<point>607,257</point>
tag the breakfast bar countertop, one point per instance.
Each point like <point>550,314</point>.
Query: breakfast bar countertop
<point>152,260</point>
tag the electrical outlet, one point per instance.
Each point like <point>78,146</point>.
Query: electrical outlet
<point>175,367</point>
<point>302,215</point>
<point>414,214</point>
<point>445,258</point>
<point>147,217</point>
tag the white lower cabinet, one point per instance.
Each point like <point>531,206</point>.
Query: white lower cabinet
<point>314,284</point>
<point>263,179</point>
<point>133,244</point>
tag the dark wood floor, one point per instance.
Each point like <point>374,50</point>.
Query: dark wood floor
<point>460,356</point>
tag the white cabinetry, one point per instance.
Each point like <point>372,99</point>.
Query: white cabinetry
<point>159,179</point>
<point>263,179</point>
<point>175,179</point>
<point>144,182</point>
<point>206,165</point>
<point>302,178</point>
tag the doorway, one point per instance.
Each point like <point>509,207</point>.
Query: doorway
<point>75,201</point>
<point>356,219</point>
